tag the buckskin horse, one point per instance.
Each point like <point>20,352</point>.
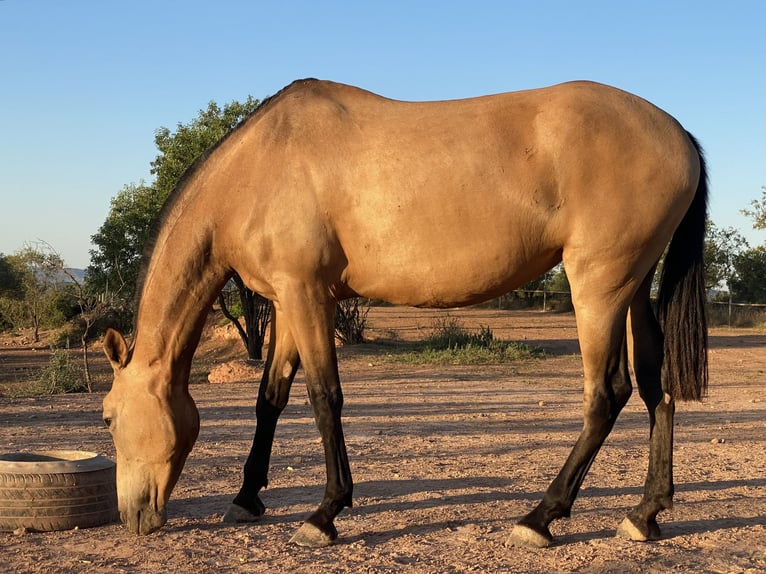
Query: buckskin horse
<point>328,191</point>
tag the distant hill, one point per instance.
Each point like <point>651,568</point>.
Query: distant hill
<point>79,274</point>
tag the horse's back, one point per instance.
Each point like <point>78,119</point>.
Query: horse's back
<point>446,203</point>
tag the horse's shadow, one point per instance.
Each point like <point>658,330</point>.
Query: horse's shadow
<point>494,489</point>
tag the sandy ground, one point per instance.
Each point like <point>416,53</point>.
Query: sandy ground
<point>445,459</point>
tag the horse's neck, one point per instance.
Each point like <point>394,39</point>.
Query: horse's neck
<point>181,282</point>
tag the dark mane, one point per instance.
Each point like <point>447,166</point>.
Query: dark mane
<point>188,175</point>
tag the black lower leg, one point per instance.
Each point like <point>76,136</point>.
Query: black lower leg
<point>658,489</point>
<point>559,497</point>
<point>273,394</point>
<point>647,362</point>
<point>256,467</point>
<point>600,415</point>
<point>339,489</point>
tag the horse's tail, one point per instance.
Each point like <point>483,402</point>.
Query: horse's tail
<point>682,300</point>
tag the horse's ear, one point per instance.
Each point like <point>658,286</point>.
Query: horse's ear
<point>115,348</point>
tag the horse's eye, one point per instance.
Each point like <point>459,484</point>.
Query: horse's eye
<point>108,422</point>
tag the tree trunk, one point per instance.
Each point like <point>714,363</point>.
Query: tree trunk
<point>256,311</point>
<point>85,361</point>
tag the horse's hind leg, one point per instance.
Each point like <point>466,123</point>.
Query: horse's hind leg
<point>279,371</point>
<point>641,523</point>
<point>601,330</point>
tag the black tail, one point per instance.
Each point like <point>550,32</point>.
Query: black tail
<point>682,300</point>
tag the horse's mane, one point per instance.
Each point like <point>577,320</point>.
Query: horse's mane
<point>178,191</point>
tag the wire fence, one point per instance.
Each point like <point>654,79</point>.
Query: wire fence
<point>736,314</point>
<point>720,313</point>
<point>728,313</point>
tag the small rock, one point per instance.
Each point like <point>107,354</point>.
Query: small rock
<point>20,531</point>
<point>540,403</point>
<point>718,441</point>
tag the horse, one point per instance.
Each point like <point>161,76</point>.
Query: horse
<point>327,191</point>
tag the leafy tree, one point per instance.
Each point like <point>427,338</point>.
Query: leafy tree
<point>120,241</point>
<point>178,152</point>
<point>37,273</point>
<point>180,149</point>
<point>10,282</point>
<point>722,246</point>
<point>749,284</point>
<point>758,212</point>
<point>553,281</point>
<point>558,280</point>
<point>11,293</point>
<point>115,263</point>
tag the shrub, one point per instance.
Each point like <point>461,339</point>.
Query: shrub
<point>351,320</point>
<point>62,375</point>
<point>449,333</point>
<point>450,343</point>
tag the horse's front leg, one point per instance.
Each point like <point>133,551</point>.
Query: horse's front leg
<point>281,365</point>
<point>311,319</point>
<point>319,529</point>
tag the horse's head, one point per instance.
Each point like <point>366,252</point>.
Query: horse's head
<point>154,424</point>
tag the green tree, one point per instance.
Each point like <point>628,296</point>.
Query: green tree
<point>10,283</point>
<point>37,271</point>
<point>115,262</point>
<point>180,149</point>
<point>11,293</point>
<point>558,281</point>
<point>758,212</point>
<point>749,284</point>
<point>722,246</point>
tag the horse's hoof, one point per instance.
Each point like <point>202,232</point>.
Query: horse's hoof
<point>236,514</point>
<point>629,530</point>
<point>310,536</point>
<point>524,536</point>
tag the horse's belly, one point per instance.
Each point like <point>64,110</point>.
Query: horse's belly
<point>444,279</point>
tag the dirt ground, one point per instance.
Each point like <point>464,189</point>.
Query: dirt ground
<point>445,459</point>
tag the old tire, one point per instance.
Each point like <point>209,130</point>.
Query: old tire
<point>56,490</point>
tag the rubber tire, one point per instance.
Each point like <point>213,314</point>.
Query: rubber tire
<point>56,490</point>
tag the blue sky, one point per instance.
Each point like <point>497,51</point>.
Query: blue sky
<point>84,84</point>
